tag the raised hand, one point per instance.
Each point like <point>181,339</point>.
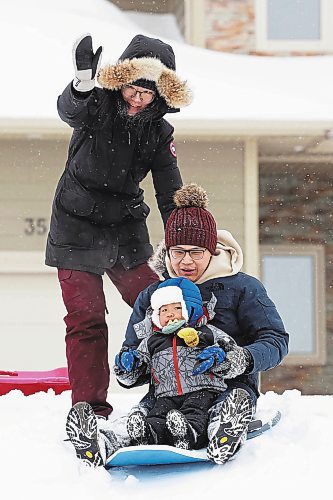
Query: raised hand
<point>86,63</point>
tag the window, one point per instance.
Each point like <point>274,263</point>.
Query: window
<point>295,280</point>
<point>294,25</point>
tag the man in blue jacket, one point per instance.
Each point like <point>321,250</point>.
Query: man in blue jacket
<point>236,302</point>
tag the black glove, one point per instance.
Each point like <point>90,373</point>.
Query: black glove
<point>86,63</point>
<point>237,359</point>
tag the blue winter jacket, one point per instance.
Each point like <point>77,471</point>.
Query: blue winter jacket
<point>237,303</point>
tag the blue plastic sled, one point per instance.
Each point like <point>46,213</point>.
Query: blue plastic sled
<point>164,454</point>
<point>154,455</point>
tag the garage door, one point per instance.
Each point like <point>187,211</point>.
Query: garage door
<point>31,321</point>
<point>31,310</point>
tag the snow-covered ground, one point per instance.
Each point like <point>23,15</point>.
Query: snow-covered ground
<point>292,460</point>
<point>158,25</point>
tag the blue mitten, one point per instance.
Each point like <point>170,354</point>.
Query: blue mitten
<point>208,357</point>
<point>128,359</point>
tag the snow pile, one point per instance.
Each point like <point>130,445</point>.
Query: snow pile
<point>294,458</point>
<point>37,39</point>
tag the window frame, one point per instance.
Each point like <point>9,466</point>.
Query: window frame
<point>263,44</point>
<point>317,252</point>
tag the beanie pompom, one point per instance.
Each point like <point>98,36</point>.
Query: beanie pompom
<point>191,195</point>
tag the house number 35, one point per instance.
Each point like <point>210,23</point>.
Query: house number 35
<point>35,226</point>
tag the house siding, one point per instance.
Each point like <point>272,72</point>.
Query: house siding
<point>296,208</point>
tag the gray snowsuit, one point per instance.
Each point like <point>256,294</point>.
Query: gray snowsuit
<point>170,363</point>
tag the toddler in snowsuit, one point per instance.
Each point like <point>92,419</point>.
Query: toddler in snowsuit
<point>183,397</point>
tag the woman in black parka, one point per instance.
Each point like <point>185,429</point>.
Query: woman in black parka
<point>98,221</point>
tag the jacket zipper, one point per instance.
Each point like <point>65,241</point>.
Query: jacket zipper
<point>154,376</point>
<point>175,362</point>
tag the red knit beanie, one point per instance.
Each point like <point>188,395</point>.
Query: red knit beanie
<point>190,223</point>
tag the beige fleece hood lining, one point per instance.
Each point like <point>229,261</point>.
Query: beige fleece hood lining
<point>175,92</point>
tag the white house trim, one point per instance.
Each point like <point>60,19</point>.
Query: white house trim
<point>324,44</point>
<point>251,208</point>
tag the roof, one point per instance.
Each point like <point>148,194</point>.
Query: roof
<point>234,93</point>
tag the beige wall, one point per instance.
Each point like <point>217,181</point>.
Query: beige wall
<point>30,169</point>
<point>218,167</point>
<point>29,291</point>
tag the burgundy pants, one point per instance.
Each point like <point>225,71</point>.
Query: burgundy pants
<point>86,329</point>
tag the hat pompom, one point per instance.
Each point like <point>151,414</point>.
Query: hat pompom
<point>191,195</point>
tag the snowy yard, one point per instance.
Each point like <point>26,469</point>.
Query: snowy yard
<point>294,458</point>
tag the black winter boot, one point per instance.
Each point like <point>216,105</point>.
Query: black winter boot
<point>182,435</point>
<point>137,428</point>
<point>229,422</point>
<point>91,445</point>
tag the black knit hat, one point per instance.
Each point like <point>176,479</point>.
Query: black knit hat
<point>190,223</point>
<point>146,84</point>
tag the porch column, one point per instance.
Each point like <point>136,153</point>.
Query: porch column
<point>251,208</point>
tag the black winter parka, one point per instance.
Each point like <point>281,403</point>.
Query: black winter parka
<point>98,213</point>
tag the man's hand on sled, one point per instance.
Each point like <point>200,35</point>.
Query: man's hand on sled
<point>128,359</point>
<point>208,358</point>
<point>86,63</point>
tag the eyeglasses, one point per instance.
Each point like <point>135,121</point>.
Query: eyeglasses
<point>130,92</point>
<point>179,253</point>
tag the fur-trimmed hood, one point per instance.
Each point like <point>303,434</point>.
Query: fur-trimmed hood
<point>227,261</point>
<point>149,59</point>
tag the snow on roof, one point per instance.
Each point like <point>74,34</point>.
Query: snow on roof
<point>37,37</point>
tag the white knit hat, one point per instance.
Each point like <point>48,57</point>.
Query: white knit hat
<point>163,296</point>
